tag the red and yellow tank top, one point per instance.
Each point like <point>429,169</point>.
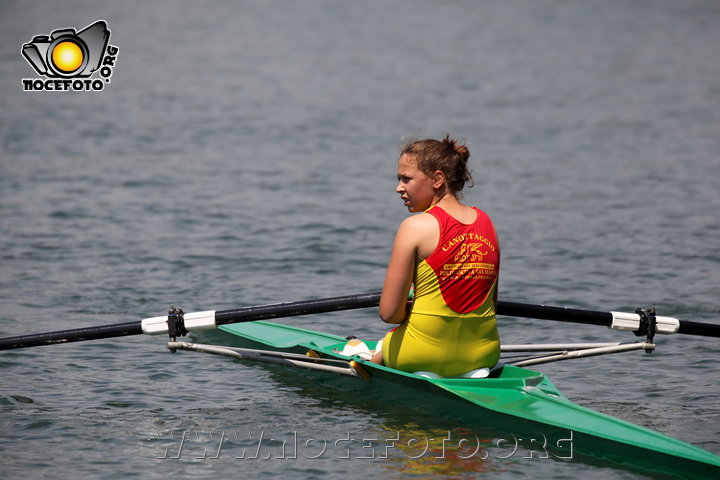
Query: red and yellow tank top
<point>451,328</point>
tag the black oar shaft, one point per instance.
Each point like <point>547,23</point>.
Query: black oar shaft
<point>291,309</point>
<point>74,335</point>
<point>560,314</point>
<point>696,328</point>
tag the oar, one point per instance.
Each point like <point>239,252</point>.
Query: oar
<point>211,319</point>
<point>194,321</point>
<point>614,320</point>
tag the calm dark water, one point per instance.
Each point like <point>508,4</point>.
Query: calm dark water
<point>244,153</point>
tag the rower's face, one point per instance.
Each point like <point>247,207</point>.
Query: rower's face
<point>415,188</point>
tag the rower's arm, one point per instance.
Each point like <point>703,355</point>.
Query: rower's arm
<point>399,276</point>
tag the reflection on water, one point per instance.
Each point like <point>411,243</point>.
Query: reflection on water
<point>460,452</point>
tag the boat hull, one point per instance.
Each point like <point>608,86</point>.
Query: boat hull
<point>517,401</point>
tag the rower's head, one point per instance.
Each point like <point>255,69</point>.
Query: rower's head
<point>445,156</point>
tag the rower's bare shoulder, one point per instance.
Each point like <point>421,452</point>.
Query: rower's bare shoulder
<point>419,232</point>
<point>423,222</point>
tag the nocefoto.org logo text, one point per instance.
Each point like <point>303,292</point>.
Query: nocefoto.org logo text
<point>66,60</point>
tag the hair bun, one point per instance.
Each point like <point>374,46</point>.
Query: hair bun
<point>462,150</point>
<point>458,148</point>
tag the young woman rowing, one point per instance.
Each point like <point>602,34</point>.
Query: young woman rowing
<point>452,256</point>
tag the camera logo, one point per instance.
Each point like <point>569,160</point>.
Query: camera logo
<point>69,59</point>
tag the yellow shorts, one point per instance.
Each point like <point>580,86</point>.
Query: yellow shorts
<point>447,346</point>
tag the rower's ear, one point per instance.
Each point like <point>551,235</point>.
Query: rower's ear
<point>438,179</point>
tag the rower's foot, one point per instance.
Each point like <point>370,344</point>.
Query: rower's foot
<point>358,348</point>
